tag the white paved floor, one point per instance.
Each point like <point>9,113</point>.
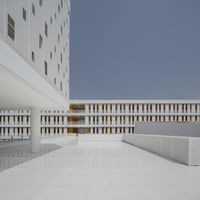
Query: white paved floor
<point>100,170</point>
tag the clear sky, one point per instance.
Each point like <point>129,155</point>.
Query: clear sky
<point>135,49</point>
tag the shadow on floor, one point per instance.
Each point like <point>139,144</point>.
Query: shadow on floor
<point>15,155</point>
<point>156,154</point>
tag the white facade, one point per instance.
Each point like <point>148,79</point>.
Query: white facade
<point>16,124</point>
<point>38,30</point>
<point>119,116</point>
<point>98,117</point>
<point>34,64</point>
<point>34,68</point>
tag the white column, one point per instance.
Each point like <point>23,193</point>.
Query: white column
<point>65,120</point>
<point>145,108</point>
<point>86,108</point>
<point>91,130</point>
<point>118,120</point>
<point>91,120</point>
<point>11,120</point>
<point>127,108</point>
<point>108,122</point>
<point>126,120</point>
<point>51,120</point>
<point>180,108</point>
<point>135,108</point>
<point>167,108</point>
<point>100,108</point>
<point>193,108</point>
<point>113,120</point>
<point>91,108</point>
<point>100,120</point>
<point>118,108</point>
<point>60,120</point>
<point>140,108</point>
<point>43,121</point>
<point>100,130</point>
<point>113,108</point>
<point>87,120</point>
<point>109,108</point>
<point>6,120</point>
<point>35,129</point>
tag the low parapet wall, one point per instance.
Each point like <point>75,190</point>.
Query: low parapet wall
<point>182,149</point>
<point>168,128</point>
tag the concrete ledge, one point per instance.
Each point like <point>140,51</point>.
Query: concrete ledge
<point>168,128</point>
<point>182,149</point>
<point>100,137</point>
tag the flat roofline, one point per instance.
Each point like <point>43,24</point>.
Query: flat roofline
<point>115,101</point>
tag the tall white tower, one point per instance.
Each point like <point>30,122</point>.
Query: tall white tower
<point>34,56</point>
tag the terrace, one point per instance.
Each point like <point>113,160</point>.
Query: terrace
<point>94,167</point>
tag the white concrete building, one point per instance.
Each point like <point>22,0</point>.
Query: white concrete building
<point>34,68</point>
<point>38,30</point>
<point>119,116</point>
<point>34,60</point>
<point>98,117</point>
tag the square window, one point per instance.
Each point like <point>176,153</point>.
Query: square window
<point>58,38</point>
<point>33,56</point>
<point>61,58</point>
<point>33,9</point>
<point>61,85</point>
<point>24,14</point>
<point>58,68</point>
<point>58,8</point>
<point>45,68</point>
<point>41,2</point>
<point>40,41</point>
<point>11,27</point>
<point>46,29</point>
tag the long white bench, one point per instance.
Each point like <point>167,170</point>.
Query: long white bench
<point>182,149</point>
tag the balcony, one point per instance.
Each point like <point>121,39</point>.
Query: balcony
<point>76,111</point>
<point>76,123</point>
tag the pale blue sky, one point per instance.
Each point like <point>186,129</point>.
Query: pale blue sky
<point>135,49</point>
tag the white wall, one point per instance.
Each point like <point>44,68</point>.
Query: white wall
<point>182,149</point>
<point>27,36</point>
<point>2,17</point>
<point>173,129</point>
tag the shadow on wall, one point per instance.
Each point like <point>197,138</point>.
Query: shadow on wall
<point>15,155</point>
